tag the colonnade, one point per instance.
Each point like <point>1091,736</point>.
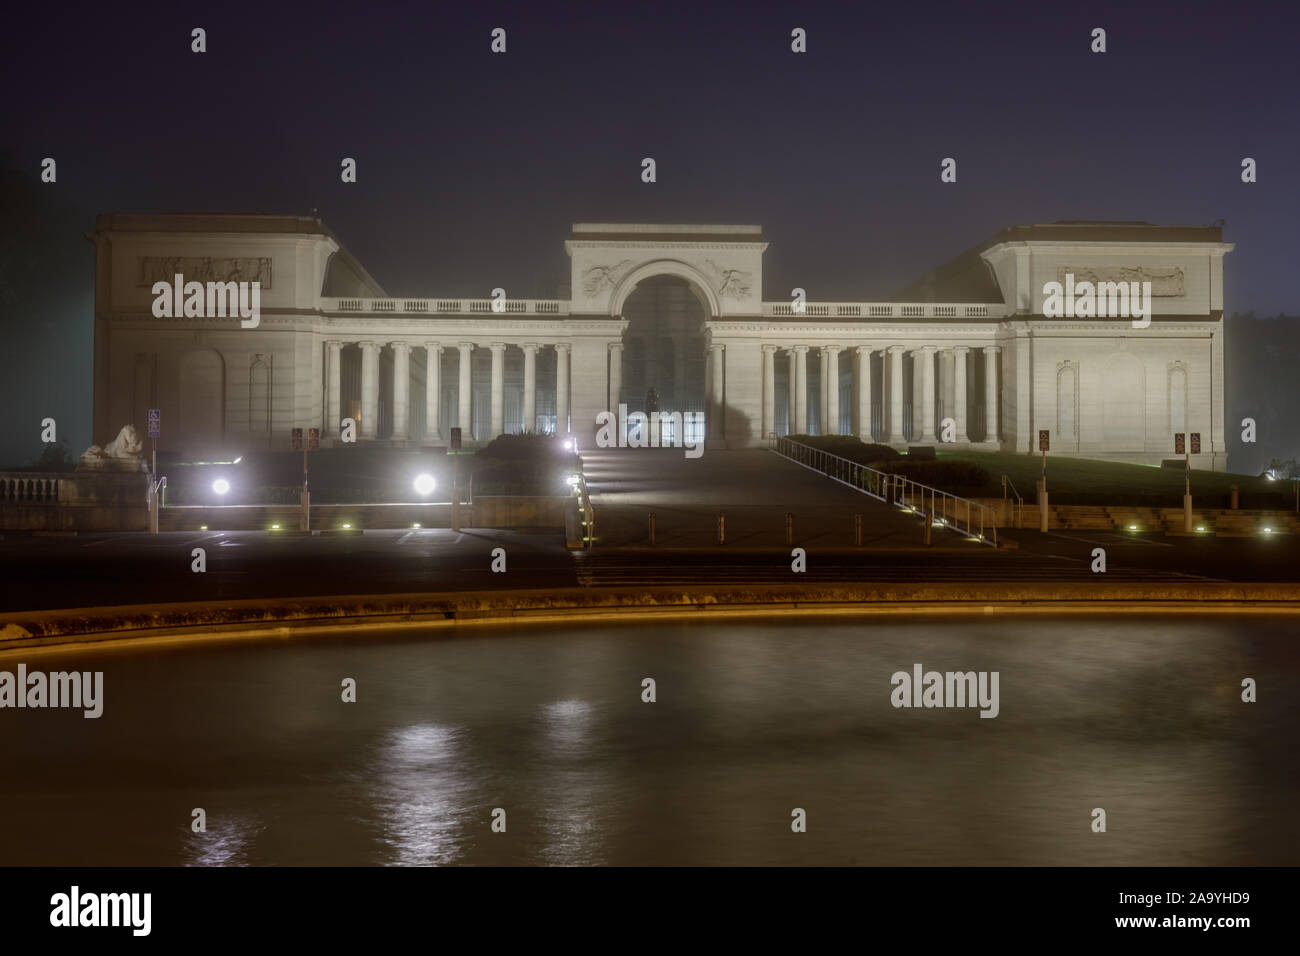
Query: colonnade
<point>924,399</point>
<point>401,398</point>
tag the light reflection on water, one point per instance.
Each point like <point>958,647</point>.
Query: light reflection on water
<point>419,794</point>
<point>570,817</point>
<point>1141,717</point>
<point>224,843</point>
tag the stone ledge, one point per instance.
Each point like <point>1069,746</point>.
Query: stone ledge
<point>282,618</point>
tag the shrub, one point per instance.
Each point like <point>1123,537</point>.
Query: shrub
<point>936,472</point>
<point>847,446</point>
<point>524,464</point>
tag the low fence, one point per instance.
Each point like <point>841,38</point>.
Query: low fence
<point>963,515</point>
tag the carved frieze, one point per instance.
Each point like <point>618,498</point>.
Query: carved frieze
<point>205,269</point>
<point>1166,281</point>
<point>599,278</point>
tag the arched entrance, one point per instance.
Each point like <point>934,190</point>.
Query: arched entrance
<point>664,350</point>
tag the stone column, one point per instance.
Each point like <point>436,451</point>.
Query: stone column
<point>615,375</point>
<point>822,360</point>
<point>896,394</point>
<point>800,424</point>
<point>944,398</point>
<point>791,375</point>
<point>333,395</point>
<point>927,392</point>
<point>716,428</point>
<point>991,393</point>
<point>959,390</point>
<point>465,379</point>
<point>369,390</point>
<point>769,390</point>
<point>432,389</point>
<point>530,387</point>
<point>863,382</point>
<point>498,389</point>
<point>401,391</point>
<point>832,353</point>
<point>562,389</point>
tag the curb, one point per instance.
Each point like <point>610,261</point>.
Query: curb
<point>286,618</point>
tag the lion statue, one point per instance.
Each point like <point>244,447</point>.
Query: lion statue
<point>126,446</point>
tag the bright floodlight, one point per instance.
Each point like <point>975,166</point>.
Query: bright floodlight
<point>573,479</point>
<point>424,484</point>
<point>221,486</point>
<point>568,445</point>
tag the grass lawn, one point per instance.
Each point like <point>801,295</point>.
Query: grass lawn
<point>1088,481</point>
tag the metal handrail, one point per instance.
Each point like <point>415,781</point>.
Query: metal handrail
<point>588,513</point>
<point>1020,502</point>
<point>897,490</point>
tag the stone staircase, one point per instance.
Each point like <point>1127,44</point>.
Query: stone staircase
<point>1221,522</point>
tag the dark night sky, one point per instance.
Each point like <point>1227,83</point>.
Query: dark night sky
<point>472,166</point>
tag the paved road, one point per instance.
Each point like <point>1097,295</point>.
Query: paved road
<point>752,487</point>
<point>94,570</point>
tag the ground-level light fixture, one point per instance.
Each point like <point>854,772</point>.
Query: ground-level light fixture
<point>416,525</point>
<point>275,527</point>
<point>203,527</point>
<point>424,484</point>
<point>1268,530</point>
<point>1132,527</point>
<point>347,527</point>
<point>221,486</point>
<point>573,479</point>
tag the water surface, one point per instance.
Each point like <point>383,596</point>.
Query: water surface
<point>1141,717</point>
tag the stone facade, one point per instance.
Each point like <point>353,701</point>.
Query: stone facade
<point>966,350</point>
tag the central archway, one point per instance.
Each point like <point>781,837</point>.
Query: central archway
<point>664,348</point>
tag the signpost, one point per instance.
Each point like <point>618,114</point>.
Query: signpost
<point>455,480</point>
<point>155,486</point>
<point>1044,443</point>
<point>312,443</point>
<point>1187,449</point>
<point>155,430</point>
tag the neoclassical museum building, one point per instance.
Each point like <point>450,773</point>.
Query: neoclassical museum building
<point>674,308</point>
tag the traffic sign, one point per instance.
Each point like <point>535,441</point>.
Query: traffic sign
<point>155,422</point>
<point>297,439</point>
<point>455,439</point>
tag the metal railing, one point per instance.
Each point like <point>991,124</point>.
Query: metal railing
<point>588,512</point>
<point>953,512</point>
<point>1020,503</point>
